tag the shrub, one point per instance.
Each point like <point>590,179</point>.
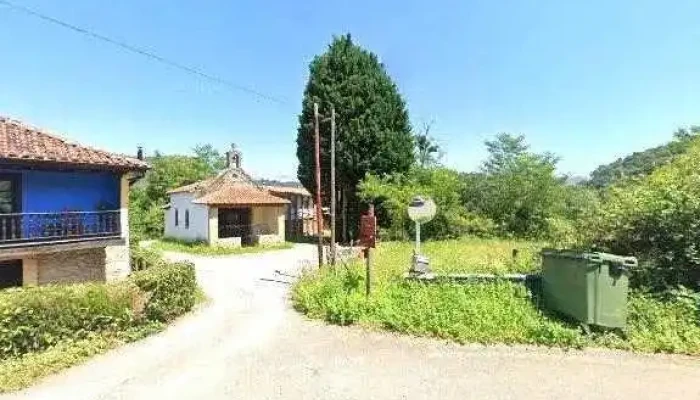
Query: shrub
<point>145,257</point>
<point>171,290</point>
<point>392,195</point>
<point>656,219</point>
<point>34,319</point>
<point>37,318</point>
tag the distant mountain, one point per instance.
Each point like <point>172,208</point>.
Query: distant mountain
<point>642,163</point>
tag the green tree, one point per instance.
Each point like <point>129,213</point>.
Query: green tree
<point>517,189</point>
<point>373,129</point>
<point>214,160</point>
<point>428,152</point>
<point>393,193</point>
<point>170,171</point>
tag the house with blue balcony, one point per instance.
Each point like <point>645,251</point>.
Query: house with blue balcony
<point>63,209</point>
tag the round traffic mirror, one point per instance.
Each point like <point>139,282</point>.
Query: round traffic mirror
<point>421,209</point>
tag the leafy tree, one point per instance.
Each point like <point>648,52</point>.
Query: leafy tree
<point>428,152</point>
<point>373,130</point>
<point>645,162</point>
<point>517,189</point>
<point>210,156</point>
<point>393,193</point>
<point>170,171</point>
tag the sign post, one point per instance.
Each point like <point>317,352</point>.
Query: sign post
<point>420,210</point>
<point>368,239</point>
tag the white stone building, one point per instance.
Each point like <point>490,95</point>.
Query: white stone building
<point>229,208</point>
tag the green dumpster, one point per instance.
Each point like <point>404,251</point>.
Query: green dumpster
<point>589,287</point>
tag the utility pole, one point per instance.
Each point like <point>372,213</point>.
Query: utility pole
<point>319,213</point>
<point>333,193</point>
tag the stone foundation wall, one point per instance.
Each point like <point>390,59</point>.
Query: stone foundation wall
<point>268,239</point>
<point>71,266</point>
<point>117,263</point>
<point>230,242</point>
<point>89,265</point>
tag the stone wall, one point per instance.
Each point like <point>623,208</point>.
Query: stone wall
<point>230,242</point>
<point>98,264</point>
<point>71,266</point>
<point>117,263</point>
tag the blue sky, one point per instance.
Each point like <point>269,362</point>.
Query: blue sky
<point>590,81</point>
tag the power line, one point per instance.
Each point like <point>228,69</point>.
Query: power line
<point>143,52</point>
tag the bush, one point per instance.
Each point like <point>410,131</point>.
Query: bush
<point>656,219</point>
<point>392,195</point>
<point>171,290</point>
<point>37,318</point>
<point>145,257</point>
<point>34,319</point>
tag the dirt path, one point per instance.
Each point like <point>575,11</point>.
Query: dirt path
<point>248,344</point>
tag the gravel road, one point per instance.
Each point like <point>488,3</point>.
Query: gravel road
<point>248,344</point>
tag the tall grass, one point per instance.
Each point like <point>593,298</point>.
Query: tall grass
<point>499,312</point>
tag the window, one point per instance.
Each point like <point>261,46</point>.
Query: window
<point>9,194</point>
<point>187,219</point>
<point>177,217</point>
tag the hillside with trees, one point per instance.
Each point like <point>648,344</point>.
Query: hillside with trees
<point>644,162</point>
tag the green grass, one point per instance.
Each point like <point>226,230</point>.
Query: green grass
<point>21,372</point>
<point>203,249</point>
<point>488,313</point>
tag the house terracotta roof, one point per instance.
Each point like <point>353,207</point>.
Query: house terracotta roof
<point>288,190</point>
<point>191,188</point>
<point>240,195</point>
<point>25,144</point>
<point>231,187</point>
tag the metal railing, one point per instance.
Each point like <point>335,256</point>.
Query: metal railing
<point>56,226</point>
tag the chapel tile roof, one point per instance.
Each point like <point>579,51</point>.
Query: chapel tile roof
<point>231,187</point>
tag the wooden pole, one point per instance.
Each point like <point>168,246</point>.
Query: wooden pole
<point>333,201</point>
<point>344,216</point>
<point>319,212</point>
<point>368,260</point>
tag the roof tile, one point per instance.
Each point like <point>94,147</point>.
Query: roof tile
<point>20,142</point>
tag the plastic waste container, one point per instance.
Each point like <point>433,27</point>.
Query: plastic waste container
<point>589,287</point>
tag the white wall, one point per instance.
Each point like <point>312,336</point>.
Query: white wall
<point>199,219</point>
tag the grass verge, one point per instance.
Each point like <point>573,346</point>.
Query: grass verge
<point>500,312</point>
<point>203,249</point>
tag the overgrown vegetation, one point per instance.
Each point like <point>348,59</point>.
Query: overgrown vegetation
<point>47,328</point>
<point>656,218</point>
<point>204,249</point>
<point>484,312</point>
<point>516,194</point>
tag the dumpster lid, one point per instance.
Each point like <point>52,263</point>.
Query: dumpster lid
<point>596,257</point>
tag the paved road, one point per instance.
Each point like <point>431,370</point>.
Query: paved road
<point>248,344</point>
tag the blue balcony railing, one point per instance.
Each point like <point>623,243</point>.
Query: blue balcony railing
<point>27,228</point>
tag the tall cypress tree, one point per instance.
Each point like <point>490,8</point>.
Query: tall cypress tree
<point>373,133</point>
